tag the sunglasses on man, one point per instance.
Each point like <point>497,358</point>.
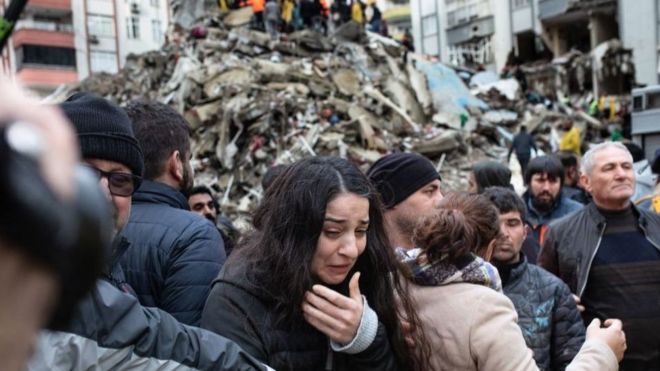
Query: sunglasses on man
<point>119,183</point>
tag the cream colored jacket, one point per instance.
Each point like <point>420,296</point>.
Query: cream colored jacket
<point>473,327</point>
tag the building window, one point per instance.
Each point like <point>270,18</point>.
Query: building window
<point>429,40</point>
<point>45,55</point>
<point>102,61</point>
<point>41,22</point>
<point>133,27</point>
<point>156,31</point>
<point>520,4</point>
<point>100,25</point>
<point>464,12</point>
<point>155,3</point>
<point>429,25</point>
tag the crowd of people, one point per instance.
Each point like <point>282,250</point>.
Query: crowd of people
<point>277,16</point>
<point>352,270</point>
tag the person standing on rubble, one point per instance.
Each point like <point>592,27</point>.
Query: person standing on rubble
<point>307,290</point>
<point>374,16</point>
<point>357,11</point>
<point>344,9</point>
<point>409,187</point>
<point>523,144</point>
<point>335,18</point>
<point>407,41</point>
<point>287,14</point>
<point>174,254</point>
<point>272,19</point>
<point>258,13</point>
<point>571,141</point>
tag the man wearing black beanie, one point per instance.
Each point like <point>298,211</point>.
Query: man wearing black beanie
<point>409,187</point>
<point>108,147</point>
<point>109,329</point>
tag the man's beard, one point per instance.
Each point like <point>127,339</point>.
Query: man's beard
<point>406,224</point>
<point>542,205</point>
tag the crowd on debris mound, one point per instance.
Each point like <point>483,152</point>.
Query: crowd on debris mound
<point>252,103</point>
<point>276,16</point>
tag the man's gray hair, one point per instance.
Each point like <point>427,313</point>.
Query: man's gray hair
<point>588,158</point>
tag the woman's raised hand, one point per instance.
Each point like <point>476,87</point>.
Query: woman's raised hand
<point>334,314</point>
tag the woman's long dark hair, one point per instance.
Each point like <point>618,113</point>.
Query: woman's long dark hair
<point>288,224</point>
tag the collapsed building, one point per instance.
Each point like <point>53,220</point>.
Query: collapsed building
<point>253,102</point>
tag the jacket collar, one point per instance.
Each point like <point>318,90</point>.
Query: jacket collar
<point>561,207</point>
<point>154,192</point>
<point>518,271</point>
<point>465,269</point>
<point>597,217</point>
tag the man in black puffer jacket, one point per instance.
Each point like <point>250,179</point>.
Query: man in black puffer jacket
<point>174,254</point>
<point>547,314</point>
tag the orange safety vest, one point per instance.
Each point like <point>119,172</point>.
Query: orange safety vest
<point>258,6</point>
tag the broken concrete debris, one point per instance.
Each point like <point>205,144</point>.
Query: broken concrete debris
<point>253,102</point>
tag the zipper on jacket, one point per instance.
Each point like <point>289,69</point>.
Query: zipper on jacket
<point>591,260</point>
<point>329,359</point>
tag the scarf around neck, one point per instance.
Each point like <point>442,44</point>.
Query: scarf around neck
<point>468,269</point>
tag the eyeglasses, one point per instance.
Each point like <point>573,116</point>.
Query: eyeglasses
<point>119,183</point>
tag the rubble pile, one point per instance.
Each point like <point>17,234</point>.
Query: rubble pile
<point>253,102</point>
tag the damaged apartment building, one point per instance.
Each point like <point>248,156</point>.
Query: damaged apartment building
<point>565,47</point>
<point>63,41</point>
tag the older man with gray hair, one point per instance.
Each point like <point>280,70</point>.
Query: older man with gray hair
<point>609,254</point>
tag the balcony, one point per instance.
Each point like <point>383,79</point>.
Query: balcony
<point>44,26</point>
<point>549,9</point>
<point>46,76</point>
<point>42,37</point>
<point>63,5</point>
<point>475,29</point>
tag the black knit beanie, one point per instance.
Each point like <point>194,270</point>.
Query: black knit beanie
<point>104,130</point>
<point>398,175</point>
